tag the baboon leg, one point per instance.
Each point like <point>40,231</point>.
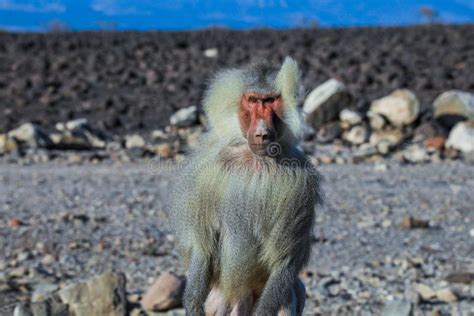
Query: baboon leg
<point>290,309</point>
<point>197,286</point>
<point>243,307</point>
<point>298,299</point>
<point>215,304</point>
<point>279,293</point>
<point>300,292</point>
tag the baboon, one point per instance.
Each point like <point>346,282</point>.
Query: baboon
<point>243,209</point>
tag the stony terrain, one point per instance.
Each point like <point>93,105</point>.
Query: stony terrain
<point>386,233</point>
<point>132,82</point>
<point>93,127</point>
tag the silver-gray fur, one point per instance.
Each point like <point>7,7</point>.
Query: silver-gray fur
<point>244,222</point>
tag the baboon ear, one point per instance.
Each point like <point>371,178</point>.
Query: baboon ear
<point>287,80</point>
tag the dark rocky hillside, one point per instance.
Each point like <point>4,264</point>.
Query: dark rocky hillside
<point>128,81</point>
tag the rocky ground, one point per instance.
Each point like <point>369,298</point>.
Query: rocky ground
<point>94,125</point>
<point>391,237</point>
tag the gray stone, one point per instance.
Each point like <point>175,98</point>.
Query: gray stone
<point>185,117</point>
<point>328,132</point>
<point>397,308</point>
<point>461,137</point>
<point>324,103</point>
<point>42,291</point>
<point>401,107</point>
<point>101,295</point>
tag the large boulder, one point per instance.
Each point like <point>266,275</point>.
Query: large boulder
<point>461,137</point>
<point>324,103</point>
<point>453,106</point>
<point>400,108</point>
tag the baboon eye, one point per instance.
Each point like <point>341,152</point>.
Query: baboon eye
<point>252,99</point>
<point>269,100</point>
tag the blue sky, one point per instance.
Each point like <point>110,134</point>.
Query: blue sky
<point>37,15</point>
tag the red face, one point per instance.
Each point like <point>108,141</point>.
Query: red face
<point>261,117</point>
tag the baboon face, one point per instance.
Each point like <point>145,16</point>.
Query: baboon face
<point>261,119</point>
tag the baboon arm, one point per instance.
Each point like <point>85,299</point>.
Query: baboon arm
<point>197,285</point>
<point>277,292</point>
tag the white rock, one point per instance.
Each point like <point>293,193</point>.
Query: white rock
<point>185,117</point>
<point>324,103</point>
<point>461,137</point>
<point>356,135</point>
<point>454,102</point>
<point>415,154</point>
<point>392,136</point>
<point>31,135</point>
<point>211,52</point>
<point>376,121</point>
<point>400,108</point>
<point>134,141</point>
<point>350,117</point>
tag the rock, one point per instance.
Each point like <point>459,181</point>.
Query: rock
<point>426,292</point>
<point>50,306</point>
<point>461,137</point>
<point>434,143</point>
<point>7,144</point>
<point>48,260</point>
<point>101,295</point>
<point>356,135</point>
<point>365,150</point>
<point>328,132</point>
<point>165,293</point>
<point>397,308</point>
<point>163,150</point>
<point>77,134</point>
<point>452,106</point>
<point>14,222</point>
<point>134,141</point>
<point>409,222</point>
<point>350,117</point>
<point>31,135</point>
<point>324,103</point>
<point>415,154</point>
<point>429,130</point>
<point>446,295</point>
<point>461,277</point>
<point>211,52</point>
<point>383,147</point>
<point>185,117</point>
<point>391,136</point>
<point>159,135</point>
<point>376,121</point>
<point>401,107</point>
<point>42,291</point>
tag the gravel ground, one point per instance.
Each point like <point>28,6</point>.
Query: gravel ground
<point>62,223</point>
